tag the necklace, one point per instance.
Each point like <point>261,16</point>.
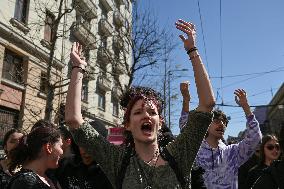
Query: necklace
<point>144,177</point>
<point>155,157</point>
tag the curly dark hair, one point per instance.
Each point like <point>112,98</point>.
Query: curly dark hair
<point>217,114</point>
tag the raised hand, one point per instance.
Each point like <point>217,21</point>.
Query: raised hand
<point>189,29</point>
<point>241,100</point>
<point>184,90</point>
<point>76,56</point>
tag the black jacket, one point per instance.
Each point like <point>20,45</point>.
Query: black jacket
<point>272,178</point>
<point>76,175</point>
<point>27,179</point>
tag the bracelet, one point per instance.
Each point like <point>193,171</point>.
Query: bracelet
<point>193,57</point>
<point>79,67</point>
<point>191,50</point>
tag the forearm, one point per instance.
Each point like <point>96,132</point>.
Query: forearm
<point>247,110</point>
<point>203,84</point>
<point>185,105</point>
<point>73,116</point>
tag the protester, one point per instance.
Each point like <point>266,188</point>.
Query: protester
<point>84,174</point>
<point>10,141</point>
<point>38,151</point>
<point>221,162</point>
<point>273,176</point>
<point>143,119</point>
<point>269,151</point>
<point>244,169</point>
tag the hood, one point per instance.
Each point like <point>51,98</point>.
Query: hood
<point>214,153</point>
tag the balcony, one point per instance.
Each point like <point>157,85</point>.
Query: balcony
<point>105,27</point>
<point>87,8</point>
<point>82,32</point>
<point>117,41</point>
<point>118,68</point>
<point>104,83</point>
<point>107,4</point>
<point>104,55</point>
<point>116,91</point>
<point>118,18</point>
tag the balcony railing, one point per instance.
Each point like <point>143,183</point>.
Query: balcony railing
<point>116,91</point>
<point>117,41</point>
<point>118,18</point>
<point>119,68</point>
<point>105,27</point>
<point>82,32</point>
<point>104,55</point>
<point>104,83</point>
<point>107,4</point>
<point>87,8</point>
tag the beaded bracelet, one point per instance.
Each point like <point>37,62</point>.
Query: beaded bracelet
<point>191,50</point>
<point>82,69</point>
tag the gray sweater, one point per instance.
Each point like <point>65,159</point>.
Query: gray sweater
<point>138,173</point>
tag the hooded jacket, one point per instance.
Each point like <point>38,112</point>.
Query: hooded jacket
<point>221,164</point>
<point>272,178</point>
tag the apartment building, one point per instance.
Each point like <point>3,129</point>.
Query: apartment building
<point>27,42</point>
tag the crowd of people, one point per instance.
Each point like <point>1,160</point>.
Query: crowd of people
<point>80,157</point>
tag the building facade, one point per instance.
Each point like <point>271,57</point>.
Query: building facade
<point>35,41</point>
<point>275,112</point>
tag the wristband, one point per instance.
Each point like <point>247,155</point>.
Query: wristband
<point>191,50</point>
<point>79,67</point>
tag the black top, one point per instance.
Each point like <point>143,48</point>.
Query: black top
<point>254,173</point>
<point>272,177</point>
<point>4,178</point>
<point>77,175</point>
<point>27,179</point>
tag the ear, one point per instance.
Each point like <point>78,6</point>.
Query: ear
<point>48,148</point>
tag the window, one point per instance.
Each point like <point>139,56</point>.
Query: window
<point>43,83</point>
<point>21,11</point>
<point>9,119</point>
<point>101,100</point>
<point>13,67</point>
<point>48,28</point>
<point>104,42</point>
<point>115,107</point>
<point>104,12</point>
<point>84,95</point>
<point>116,54</point>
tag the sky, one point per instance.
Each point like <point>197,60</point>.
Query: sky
<point>242,41</point>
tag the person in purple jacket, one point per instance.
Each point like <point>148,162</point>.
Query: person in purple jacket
<point>221,162</point>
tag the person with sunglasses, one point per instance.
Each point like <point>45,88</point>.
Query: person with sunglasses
<point>219,161</point>
<point>273,176</point>
<point>269,151</point>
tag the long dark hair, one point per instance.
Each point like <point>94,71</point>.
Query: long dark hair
<point>7,135</point>
<point>264,140</point>
<point>128,100</point>
<point>30,146</point>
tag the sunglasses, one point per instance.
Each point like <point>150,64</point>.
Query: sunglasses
<point>271,147</point>
<point>218,121</point>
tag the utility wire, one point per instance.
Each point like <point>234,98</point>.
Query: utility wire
<point>221,51</point>
<point>202,31</point>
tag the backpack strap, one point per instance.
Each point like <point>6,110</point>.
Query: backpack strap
<point>124,165</point>
<point>174,165</point>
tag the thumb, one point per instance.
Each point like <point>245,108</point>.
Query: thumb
<point>182,38</point>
